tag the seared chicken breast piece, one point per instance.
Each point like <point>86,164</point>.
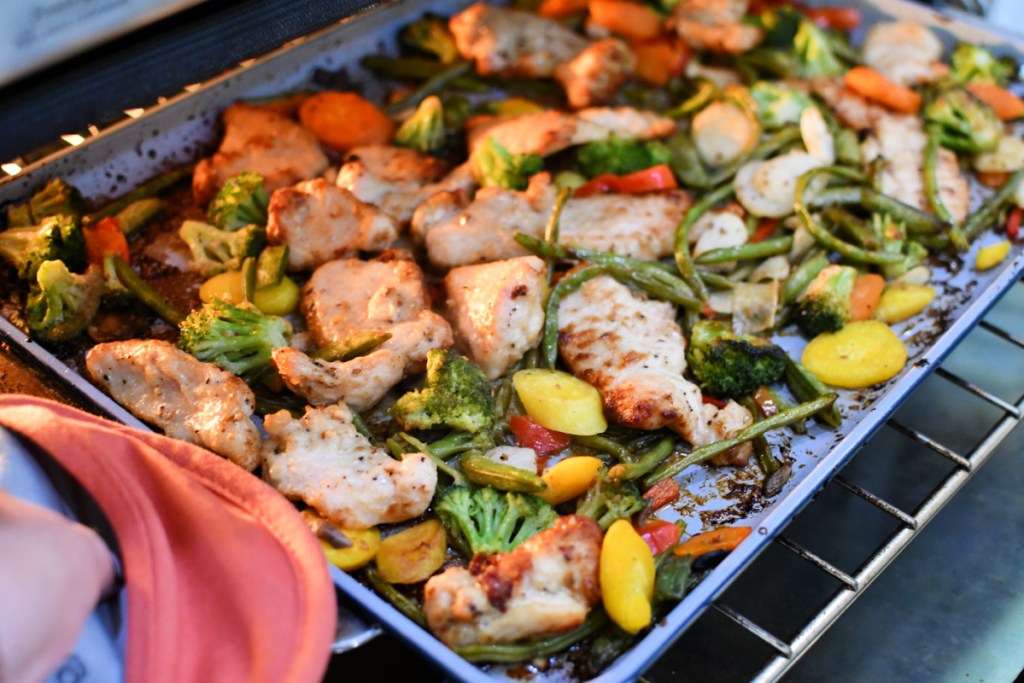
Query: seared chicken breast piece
<point>397,180</point>
<point>904,52</point>
<point>458,232</point>
<point>188,399</point>
<point>715,25</point>
<point>361,382</point>
<point>259,140</point>
<point>633,351</point>
<point>386,294</point>
<point>323,460</point>
<point>594,75</point>
<point>551,131</point>
<point>497,310</point>
<point>546,585</point>
<point>320,222</point>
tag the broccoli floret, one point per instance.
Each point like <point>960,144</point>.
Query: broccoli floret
<point>619,156</point>
<point>484,520</point>
<point>215,250</point>
<point>894,240</point>
<point>816,51</point>
<point>778,105</point>
<point>424,131</point>
<point>825,305</point>
<point>61,304</point>
<point>495,166</point>
<point>606,501</point>
<point>732,365</point>
<point>965,123</point>
<point>456,394</point>
<point>975,64</point>
<point>57,238</point>
<point>57,198</point>
<point>237,338</point>
<point>241,202</point>
<point>431,35</point>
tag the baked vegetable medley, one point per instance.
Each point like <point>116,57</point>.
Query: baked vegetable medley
<point>478,329</point>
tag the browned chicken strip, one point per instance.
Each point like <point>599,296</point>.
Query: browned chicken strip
<point>633,351</point>
<point>360,382</point>
<point>323,460</point>
<point>593,76</point>
<point>259,140</point>
<point>715,25</point>
<point>497,310</point>
<point>385,294</point>
<point>546,585</point>
<point>189,400</point>
<point>320,222</point>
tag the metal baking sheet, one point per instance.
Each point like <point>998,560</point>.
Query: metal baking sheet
<point>185,127</point>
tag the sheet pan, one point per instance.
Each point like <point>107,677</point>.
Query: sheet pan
<point>185,127</point>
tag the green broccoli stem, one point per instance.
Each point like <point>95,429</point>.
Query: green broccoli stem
<point>551,229</point>
<point>681,245</point>
<point>854,227</point>
<point>144,293</point>
<point>434,85</point>
<point>484,472</point>
<point>677,464</point>
<point>457,477</point>
<point>803,276</point>
<point>806,386</point>
<point>399,600</point>
<point>567,285</point>
<point>602,444</point>
<point>150,188</point>
<point>931,180</point>
<point>511,653</point>
<point>988,212</point>
<point>355,345</point>
<point>645,463</point>
<point>823,236</point>
<point>751,250</point>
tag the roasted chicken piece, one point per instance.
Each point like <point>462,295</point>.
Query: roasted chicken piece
<point>360,382</point>
<point>546,585</point>
<point>259,140</point>
<point>715,25</point>
<point>633,351</point>
<point>189,400</point>
<point>397,180</point>
<point>320,222</point>
<point>385,294</point>
<point>904,52</point>
<point>551,131</point>
<point>594,75</point>
<point>497,310</point>
<point>323,460</point>
<point>459,232</point>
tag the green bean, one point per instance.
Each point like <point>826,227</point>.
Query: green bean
<point>989,210</point>
<point>602,444</point>
<point>681,246</point>
<point>502,392</point>
<point>751,250</point>
<point>799,427</point>
<point>453,443</point>
<point>531,359</point>
<point>551,230</point>
<point>762,450</point>
<point>355,345</point>
<point>645,463</point>
<point>931,181</point>
<point>484,472</point>
<point>271,265</point>
<point>457,477</point>
<point>418,69</point>
<point>802,276</point>
<point>568,284</point>
<point>713,279</point>
<point>847,146</point>
<point>806,386</point>
<point>835,195</point>
<point>399,600</point>
<point>823,236</point>
<point>917,222</point>
<point>137,214</point>
<point>144,292</point>
<point>150,188</point>
<point>511,653</point>
<point>655,285</point>
<point>431,87</point>
<point>706,92</point>
<point>248,279</point>
<point>677,464</point>
<point>854,227</point>
<point>360,424</point>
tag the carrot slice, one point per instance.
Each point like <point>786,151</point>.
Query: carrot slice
<point>874,86</point>
<point>867,290</point>
<point>628,19</point>
<point>559,9</point>
<point>992,179</point>
<point>103,237</point>
<point>343,120</point>
<point>724,538</point>
<point>662,493</point>
<point>1007,105</point>
<point>660,60</point>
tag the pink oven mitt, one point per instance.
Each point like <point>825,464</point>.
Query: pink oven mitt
<point>224,583</point>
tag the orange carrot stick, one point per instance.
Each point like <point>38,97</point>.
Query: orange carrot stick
<point>867,290</point>
<point>874,86</point>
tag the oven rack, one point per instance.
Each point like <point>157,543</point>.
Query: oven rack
<point>910,518</point>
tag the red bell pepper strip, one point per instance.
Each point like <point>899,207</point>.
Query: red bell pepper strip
<point>529,434</point>
<point>1013,223</point>
<point>659,535</point>
<point>839,18</point>
<point>664,492</point>
<point>658,177</point>
<point>764,230</point>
